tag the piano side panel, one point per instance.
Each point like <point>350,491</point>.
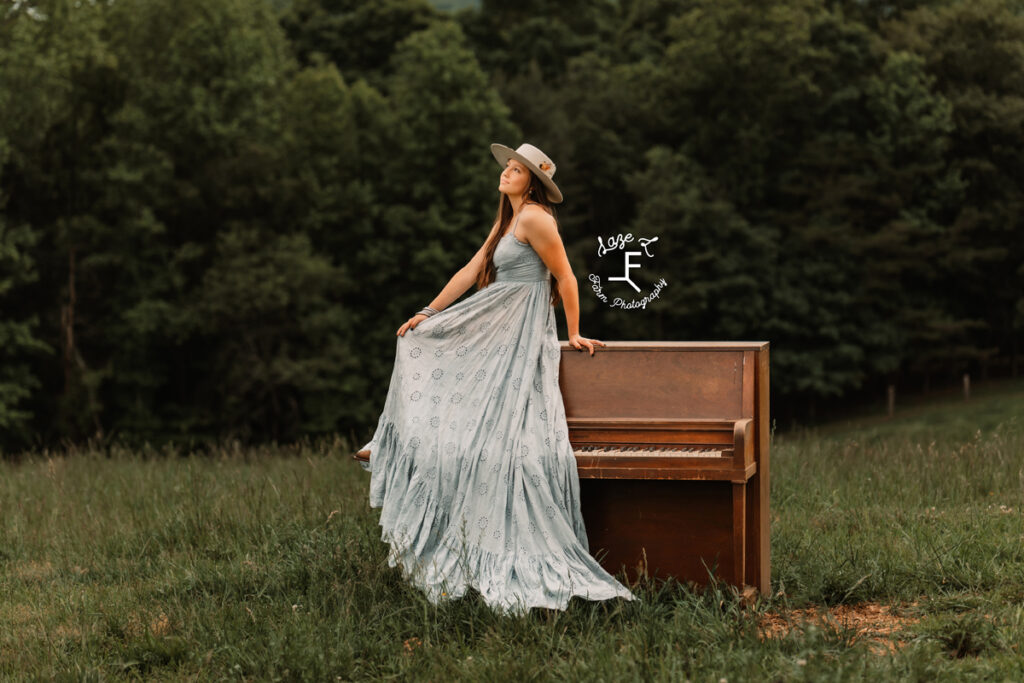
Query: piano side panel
<point>652,383</point>
<point>680,524</point>
<point>758,560</point>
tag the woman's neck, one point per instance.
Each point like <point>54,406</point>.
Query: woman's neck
<point>518,203</point>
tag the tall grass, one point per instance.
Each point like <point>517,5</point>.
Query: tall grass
<point>266,564</point>
<point>881,518</point>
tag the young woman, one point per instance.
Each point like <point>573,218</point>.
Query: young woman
<point>470,462</point>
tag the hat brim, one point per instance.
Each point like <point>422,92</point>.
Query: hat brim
<point>502,154</point>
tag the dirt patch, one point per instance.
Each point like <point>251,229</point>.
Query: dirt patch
<point>160,625</point>
<point>882,625</point>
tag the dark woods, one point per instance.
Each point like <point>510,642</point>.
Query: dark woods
<point>215,214</point>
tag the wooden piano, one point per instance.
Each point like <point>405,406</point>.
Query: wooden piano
<point>671,444</point>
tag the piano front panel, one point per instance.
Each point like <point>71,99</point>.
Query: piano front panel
<point>680,527</point>
<point>648,380</point>
<point>596,435</point>
<point>675,469</point>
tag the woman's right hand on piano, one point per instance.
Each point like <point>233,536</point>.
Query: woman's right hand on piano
<point>410,324</point>
<point>580,343</point>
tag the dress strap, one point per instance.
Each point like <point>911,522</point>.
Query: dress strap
<point>513,231</point>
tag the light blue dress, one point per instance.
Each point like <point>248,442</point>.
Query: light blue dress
<point>470,461</point>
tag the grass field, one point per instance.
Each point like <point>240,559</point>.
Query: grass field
<point>897,549</point>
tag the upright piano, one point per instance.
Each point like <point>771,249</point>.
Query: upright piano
<point>671,442</point>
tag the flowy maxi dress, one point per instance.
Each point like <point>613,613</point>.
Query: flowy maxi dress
<point>470,461</point>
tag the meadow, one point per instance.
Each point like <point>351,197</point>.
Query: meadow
<point>897,554</point>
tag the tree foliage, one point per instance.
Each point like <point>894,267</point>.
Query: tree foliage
<point>214,215</point>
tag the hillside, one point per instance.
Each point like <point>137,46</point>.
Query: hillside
<point>941,415</point>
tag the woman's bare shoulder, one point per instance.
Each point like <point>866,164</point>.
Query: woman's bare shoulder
<point>537,215</point>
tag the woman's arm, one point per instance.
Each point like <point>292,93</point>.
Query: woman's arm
<point>570,291</point>
<point>541,233</point>
<point>456,287</point>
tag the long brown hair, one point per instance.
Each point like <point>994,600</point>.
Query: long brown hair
<point>537,195</point>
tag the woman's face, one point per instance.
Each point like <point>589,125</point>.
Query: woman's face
<point>514,179</point>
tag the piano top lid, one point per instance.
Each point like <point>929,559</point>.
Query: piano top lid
<point>674,346</point>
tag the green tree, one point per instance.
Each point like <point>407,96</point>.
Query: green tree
<point>56,64</point>
<point>512,38</point>
<point>29,100</point>
<point>814,147</point>
<point>358,37</point>
<point>716,262</point>
<point>279,353</point>
<point>18,340</point>
<point>975,52</point>
<point>239,328</point>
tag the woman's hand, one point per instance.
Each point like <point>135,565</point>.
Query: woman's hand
<point>580,343</point>
<point>410,324</point>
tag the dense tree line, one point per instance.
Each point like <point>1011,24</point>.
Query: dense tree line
<point>214,215</point>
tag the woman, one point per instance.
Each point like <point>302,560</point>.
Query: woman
<point>470,461</point>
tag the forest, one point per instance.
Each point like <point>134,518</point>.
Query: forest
<point>214,214</point>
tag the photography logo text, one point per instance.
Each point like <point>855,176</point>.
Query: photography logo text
<point>631,260</point>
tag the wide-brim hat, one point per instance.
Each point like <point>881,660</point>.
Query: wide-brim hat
<point>537,161</point>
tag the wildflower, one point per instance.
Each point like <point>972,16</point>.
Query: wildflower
<point>411,645</point>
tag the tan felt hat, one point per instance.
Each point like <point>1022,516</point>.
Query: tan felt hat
<point>535,160</point>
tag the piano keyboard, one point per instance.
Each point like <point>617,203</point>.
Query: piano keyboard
<point>648,452</point>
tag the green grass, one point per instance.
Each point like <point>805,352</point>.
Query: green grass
<point>266,564</point>
<point>940,414</point>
